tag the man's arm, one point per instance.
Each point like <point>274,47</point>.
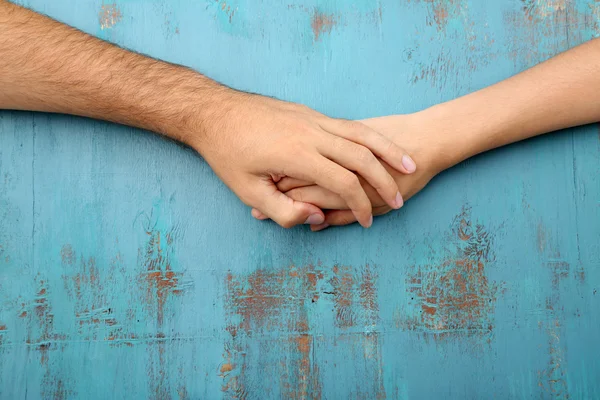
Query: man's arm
<point>560,93</point>
<point>250,141</point>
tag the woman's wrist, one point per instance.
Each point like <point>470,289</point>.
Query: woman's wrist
<point>464,127</point>
<point>440,132</point>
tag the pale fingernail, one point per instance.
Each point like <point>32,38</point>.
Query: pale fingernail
<point>399,200</point>
<point>370,221</point>
<point>314,219</point>
<point>408,163</point>
<point>255,213</point>
<point>317,228</point>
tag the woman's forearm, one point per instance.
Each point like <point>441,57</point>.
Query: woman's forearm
<point>560,93</point>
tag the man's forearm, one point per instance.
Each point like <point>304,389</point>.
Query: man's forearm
<point>560,93</point>
<point>248,140</point>
<point>48,66</point>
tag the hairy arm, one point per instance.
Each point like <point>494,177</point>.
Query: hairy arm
<point>48,66</point>
<point>250,141</point>
<point>560,93</point>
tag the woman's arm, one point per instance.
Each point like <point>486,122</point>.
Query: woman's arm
<point>560,93</point>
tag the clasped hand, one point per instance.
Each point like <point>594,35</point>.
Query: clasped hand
<point>414,133</point>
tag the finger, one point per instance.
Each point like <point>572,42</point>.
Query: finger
<point>337,179</point>
<point>344,217</point>
<point>318,196</point>
<point>258,215</point>
<point>284,210</point>
<point>359,159</point>
<point>379,144</point>
<point>289,183</point>
<point>326,199</point>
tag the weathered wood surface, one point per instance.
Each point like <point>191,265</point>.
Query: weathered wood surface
<point>128,270</point>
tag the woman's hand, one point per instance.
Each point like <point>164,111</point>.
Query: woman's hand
<point>531,103</point>
<point>419,134</point>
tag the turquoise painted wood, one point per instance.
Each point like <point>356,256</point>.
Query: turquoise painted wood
<point>128,270</point>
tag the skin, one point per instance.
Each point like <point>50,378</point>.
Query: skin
<point>560,93</point>
<point>251,141</point>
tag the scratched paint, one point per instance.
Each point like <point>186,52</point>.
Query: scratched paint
<point>109,15</point>
<point>455,296</point>
<point>537,24</point>
<point>282,301</point>
<point>127,270</point>
<point>322,23</point>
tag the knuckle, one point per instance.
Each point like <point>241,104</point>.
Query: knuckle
<point>284,185</point>
<point>302,129</point>
<point>352,125</point>
<point>390,147</point>
<point>364,155</point>
<point>350,182</point>
<point>296,194</point>
<point>298,150</point>
<point>248,198</point>
<point>339,143</point>
<point>392,188</point>
<point>344,218</point>
<point>305,109</point>
<point>286,222</point>
<point>347,219</point>
<point>360,131</point>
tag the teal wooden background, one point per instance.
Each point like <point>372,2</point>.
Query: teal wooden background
<point>128,270</point>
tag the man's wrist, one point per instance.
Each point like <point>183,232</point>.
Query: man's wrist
<point>185,105</point>
<point>208,107</point>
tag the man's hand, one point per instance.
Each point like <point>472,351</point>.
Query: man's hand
<point>420,134</point>
<point>255,142</point>
<point>251,141</point>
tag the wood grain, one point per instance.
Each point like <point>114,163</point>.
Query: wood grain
<point>128,270</point>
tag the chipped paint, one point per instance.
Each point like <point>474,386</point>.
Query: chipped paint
<point>543,28</point>
<point>269,301</point>
<point>453,21</point>
<point>227,8</point>
<point>322,24</point>
<point>3,330</point>
<point>440,12</point>
<point>273,301</point>
<point>161,281</point>
<point>455,297</point>
<point>88,296</point>
<point>43,338</point>
<point>355,296</point>
<point>109,15</point>
<point>542,9</point>
<point>552,379</point>
<point>88,288</point>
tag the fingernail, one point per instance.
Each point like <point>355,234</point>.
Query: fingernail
<point>315,219</point>
<point>317,228</point>
<point>399,200</point>
<point>408,163</point>
<point>370,221</point>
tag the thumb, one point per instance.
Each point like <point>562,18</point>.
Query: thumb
<point>284,210</point>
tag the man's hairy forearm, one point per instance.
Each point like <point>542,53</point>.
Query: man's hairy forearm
<point>248,140</point>
<point>48,66</point>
